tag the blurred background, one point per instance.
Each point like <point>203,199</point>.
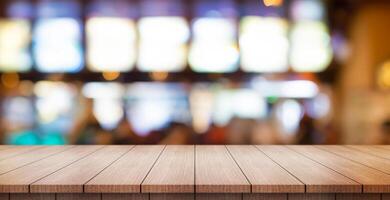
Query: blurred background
<point>194,72</point>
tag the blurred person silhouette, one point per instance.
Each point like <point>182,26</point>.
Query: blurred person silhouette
<point>238,131</point>
<point>87,129</point>
<point>307,132</point>
<point>178,133</point>
<point>265,132</point>
<point>124,134</point>
<point>386,131</point>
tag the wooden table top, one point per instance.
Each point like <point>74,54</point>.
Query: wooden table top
<point>195,169</point>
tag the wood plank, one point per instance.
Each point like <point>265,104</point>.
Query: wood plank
<point>358,197</point>
<point>221,196</point>
<point>28,196</point>
<point>311,196</point>
<point>4,196</point>
<point>371,179</point>
<point>73,177</point>
<point>265,197</point>
<point>373,150</point>
<point>316,177</point>
<point>127,174</point>
<point>75,196</point>
<point>166,196</point>
<point>217,172</point>
<point>112,196</point>
<point>385,196</point>
<point>173,171</point>
<point>264,175</point>
<point>18,180</point>
<point>17,150</point>
<point>20,160</point>
<point>360,157</point>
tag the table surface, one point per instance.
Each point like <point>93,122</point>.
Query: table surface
<point>194,169</point>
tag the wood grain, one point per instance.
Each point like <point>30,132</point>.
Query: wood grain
<point>222,196</point>
<point>357,156</point>
<point>265,197</point>
<point>73,177</point>
<point>25,158</point>
<point>264,175</point>
<point>385,196</point>
<point>4,196</point>
<point>167,196</point>
<point>173,171</point>
<point>311,196</point>
<point>318,178</point>
<point>373,150</point>
<point>371,179</point>
<point>19,179</point>
<point>217,172</point>
<point>32,196</point>
<point>358,197</point>
<point>127,174</point>
<point>112,196</point>
<point>75,196</point>
<point>16,150</point>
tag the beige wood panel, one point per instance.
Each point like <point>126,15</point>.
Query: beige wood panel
<point>221,196</point>
<point>358,197</point>
<point>73,177</point>
<point>112,196</point>
<point>173,171</point>
<point>217,172</point>
<point>127,174</point>
<point>264,196</point>
<point>19,180</point>
<point>16,150</point>
<point>371,179</point>
<point>358,156</point>
<point>180,196</point>
<point>316,177</point>
<point>373,150</point>
<point>32,196</point>
<point>20,160</point>
<point>80,196</point>
<point>311,196</point>
<point>264,175</point>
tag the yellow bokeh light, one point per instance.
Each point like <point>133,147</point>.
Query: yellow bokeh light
<point>158,76</point>
<point>10,80</point>
<point>384,76</point>
<point>110,76</point>
<point>275,3</point>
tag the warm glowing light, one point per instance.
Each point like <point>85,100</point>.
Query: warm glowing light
<point>151,106</point>
<point>264,44</point>
<point>10,80</point>
<point>214,48</point>
<point>57,45</point>
<point>286,89</point>
<point>289,113</point>
<point>107,102</point>
<point>311,49</point>
<point>159,76</point>
<point>110,76</point>
<point>14,44</point>
<point>275,3</point>
<point>201,106</point>
<point>384,76</point>
<point>111,44</point>
<point>243,103</point>
<point>163,44</point>
<point>54,100</point>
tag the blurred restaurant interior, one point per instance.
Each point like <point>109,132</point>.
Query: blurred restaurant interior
<point>194,72</point>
